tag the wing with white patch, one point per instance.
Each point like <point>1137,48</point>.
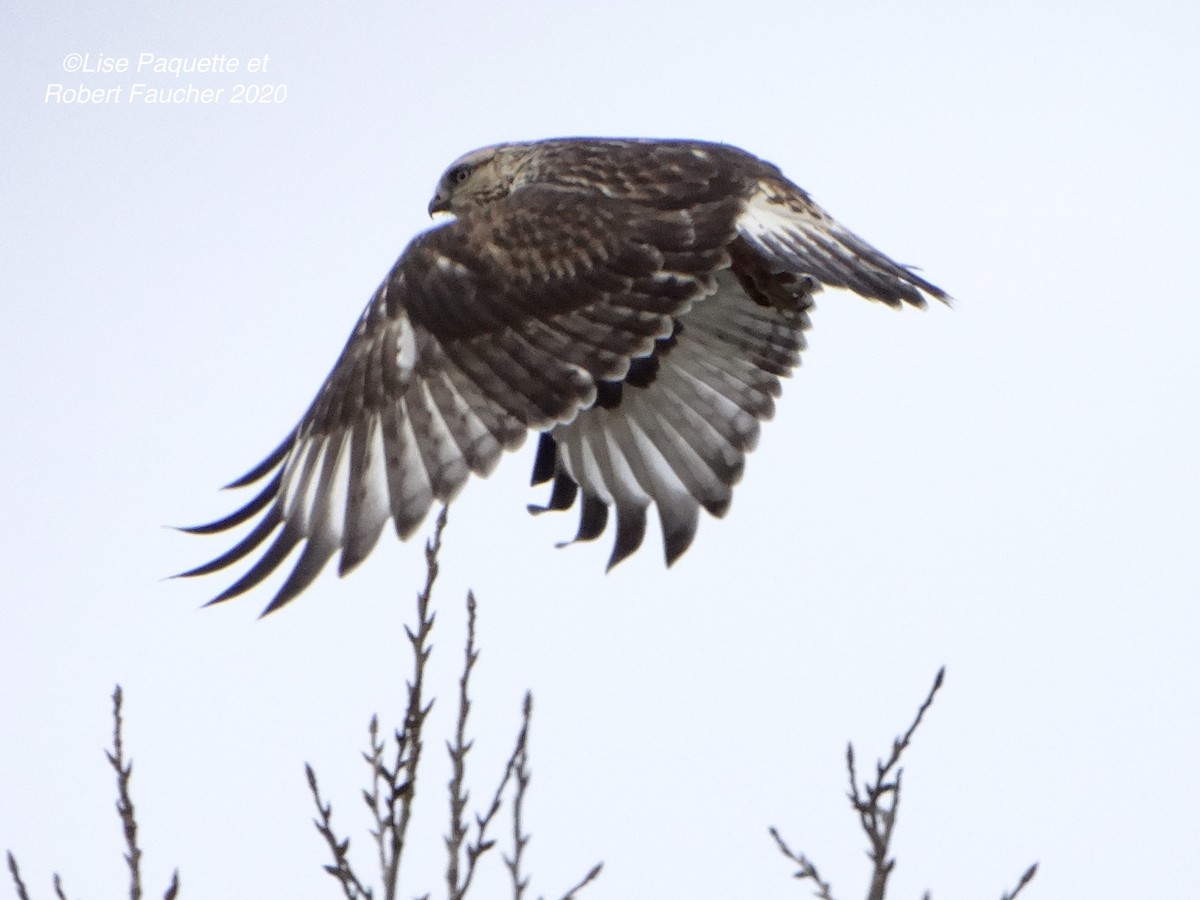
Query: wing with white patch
<point>784,226</point>
<point>501,321</point>
<point>676,433</point>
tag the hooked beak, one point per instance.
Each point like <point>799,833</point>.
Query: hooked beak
<point>439,204</point>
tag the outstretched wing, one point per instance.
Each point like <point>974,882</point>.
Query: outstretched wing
<point>676,433</point>
<point>501,321</point>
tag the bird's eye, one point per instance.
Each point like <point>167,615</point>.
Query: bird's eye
<point>459,174</point>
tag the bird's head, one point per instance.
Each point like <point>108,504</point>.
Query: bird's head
<point>478,178</point>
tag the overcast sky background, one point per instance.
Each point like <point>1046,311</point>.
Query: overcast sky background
<point>1008,487</point>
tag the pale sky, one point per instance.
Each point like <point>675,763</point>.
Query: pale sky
<point>1008,487</point>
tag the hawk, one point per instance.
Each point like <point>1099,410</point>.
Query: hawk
<point>634,301</point>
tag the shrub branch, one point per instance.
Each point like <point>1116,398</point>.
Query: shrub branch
<point>393,784</point>
<point>876,804</point>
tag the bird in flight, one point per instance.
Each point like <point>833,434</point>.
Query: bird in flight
<point>633,301</point>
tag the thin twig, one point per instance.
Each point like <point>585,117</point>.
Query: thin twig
<point>372,798</point>
<point>481,844</point>
<point>22,894</point>
<point>583,882</point>
<point>878,803</point>
<point>125,810</point>
<point>520,769</point>
<point>124,802</point>
<point>458,759</point>
<point>901,744</point>
<point>1025,879</point>
<point>458,756</point>
<point>390,796</point>
<point>341,868</point>
<point>806,870</point>
<point>402,778</point>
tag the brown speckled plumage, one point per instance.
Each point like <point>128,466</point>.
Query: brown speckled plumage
<point>634,301</point>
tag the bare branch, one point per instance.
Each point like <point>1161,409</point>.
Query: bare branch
<point>901,744</point>
<point>518,766</point>
<point>124,802</point>
<point>876,804</point>
<point>459,795</point>
<point>481,844</point>
<point>390,795</point>
<point>879,801</point>
<point>458,758</point>
<point>373,798</point>
<point>390,798</point>
<point>392,788</point>
<point>1025,879</point>
<point>408,741</point>
<point>341,868</point>
<point>22,894</point>
<point>806,870</point>
<point>583,882</point>
<point>133,858</point>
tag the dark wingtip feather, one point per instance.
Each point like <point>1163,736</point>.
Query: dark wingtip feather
<point>312,560</point>
<point>244,547</point>
<point>906,286</point>
<point>719,506</point>
<point>562,495</point>
<point>593,516</point>
<point>916,298</point>
<point>631,529</point>
<point>544,461</point>
<point>275,458</point>
<point>678,539</point>
<point>357,548</point>
<point>265,496</point>
<point>267,563</point>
